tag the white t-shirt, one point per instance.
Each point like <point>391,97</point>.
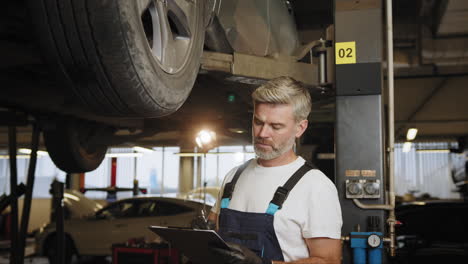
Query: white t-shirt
<point>312,208</point>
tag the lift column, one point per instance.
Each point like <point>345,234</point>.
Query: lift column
<point>359,126</point>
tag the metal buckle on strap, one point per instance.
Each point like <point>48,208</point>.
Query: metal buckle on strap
<point>280,196</point>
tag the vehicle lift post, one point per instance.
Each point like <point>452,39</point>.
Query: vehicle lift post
<point>29,191</point>
<point>14,252</point>
<point>359,131</point>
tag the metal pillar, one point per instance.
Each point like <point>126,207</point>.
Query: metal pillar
<point>136,188</point>
<point>359,119</point>
<point>74,181</point>
<point>12,119</point>
<point>29,191</point>
<point>57,190</point>
<point>199,172</point>
<point>14,252</point>
<point>112,195</point>
<point>186,172</point>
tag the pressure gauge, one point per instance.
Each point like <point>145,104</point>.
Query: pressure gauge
<point>374,241</point>
<point>354,188</point>
<point>371,188</point>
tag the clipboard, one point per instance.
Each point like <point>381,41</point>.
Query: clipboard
<point>193,243</point>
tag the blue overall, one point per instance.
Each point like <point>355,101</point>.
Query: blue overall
<point>255,230</point>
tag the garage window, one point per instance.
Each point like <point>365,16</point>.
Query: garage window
<point>119,210</point>
<point>46,172</point>
<point>220,161</point>
<point>426,170</point>
<point>160,208</point>
<point>158,172</point>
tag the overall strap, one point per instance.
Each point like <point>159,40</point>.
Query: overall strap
<point>283,191</point>
<point>229,187</point>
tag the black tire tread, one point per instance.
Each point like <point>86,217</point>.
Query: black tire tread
<point>69,244</point>
<point>87,44</point>
<point>65,150</point>
<point>82,61</point>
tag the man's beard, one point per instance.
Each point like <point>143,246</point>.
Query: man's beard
<point>275,151</point>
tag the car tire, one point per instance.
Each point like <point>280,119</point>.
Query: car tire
<point>71,148</point>
<point>123,58</point>
<point>51,250</point>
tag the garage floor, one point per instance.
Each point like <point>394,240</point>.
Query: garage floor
<point>31,259</point>
<point>5,260</point>
<point>43,260</point>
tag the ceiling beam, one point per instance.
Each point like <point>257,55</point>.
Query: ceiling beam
<point>447,121</point>
<point>438,15</point>
<point>421,106</point>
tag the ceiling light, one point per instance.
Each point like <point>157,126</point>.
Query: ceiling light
<point>142,150</point>
<point>407,147</point>
<point>433,150</point>
<point>237,130</point>
<point>205,136</point>
<point>24,151</point>
<point>326,156</point>
<point>206,140</point>
<point>411,134</point>
<point>28,151</point>
<point>192,154</point>
<point>185,154</point>
<point>21,156</point>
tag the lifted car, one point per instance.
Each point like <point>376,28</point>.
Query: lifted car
<point>96,73</point>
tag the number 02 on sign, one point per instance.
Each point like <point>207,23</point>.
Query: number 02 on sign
<point>345,52</point>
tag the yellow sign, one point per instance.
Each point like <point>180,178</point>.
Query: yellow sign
<point>345,52</point>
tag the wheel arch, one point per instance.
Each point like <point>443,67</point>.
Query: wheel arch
<point>53,234</point>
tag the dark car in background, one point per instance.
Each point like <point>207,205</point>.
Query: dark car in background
<point>432,232</point>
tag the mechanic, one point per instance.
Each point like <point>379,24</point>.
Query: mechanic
<point>296,223</point>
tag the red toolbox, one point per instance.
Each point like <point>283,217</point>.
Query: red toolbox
<point>149,254</point>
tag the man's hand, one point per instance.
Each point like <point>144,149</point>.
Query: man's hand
<point>238,254</point>
<point>213,219</point>
<point>201,223</point>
